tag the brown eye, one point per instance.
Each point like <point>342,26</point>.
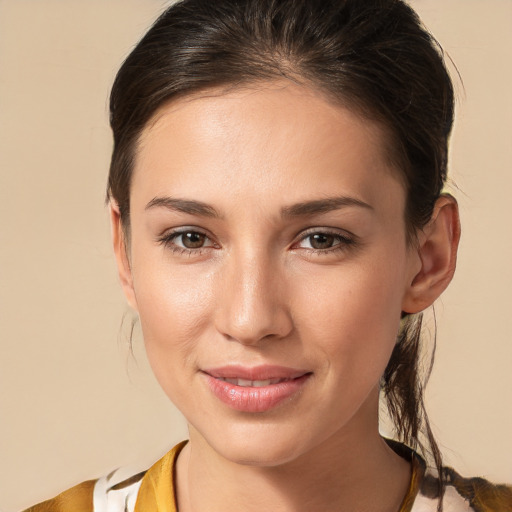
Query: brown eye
<point>186,241</point>
<point>192,239</point>
<point>322,241</point>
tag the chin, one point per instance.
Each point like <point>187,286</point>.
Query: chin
<point>261,445</point>
<point>261,455</point>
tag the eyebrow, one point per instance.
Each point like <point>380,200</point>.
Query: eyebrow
<point>315,207</point>
<point>184,206</point>
<point>322,206</point>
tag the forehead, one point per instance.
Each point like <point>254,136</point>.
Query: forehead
<point>276,136</point>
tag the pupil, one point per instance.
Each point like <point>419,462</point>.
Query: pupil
<point>193,240</point>
<point>322,241</point>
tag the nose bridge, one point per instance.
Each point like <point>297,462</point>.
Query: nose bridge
<point>253,303</point>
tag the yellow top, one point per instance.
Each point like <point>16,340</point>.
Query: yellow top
<point>154,490</point>
<point>157,492</point>
<point>157,488</point>
<point>78,498</point>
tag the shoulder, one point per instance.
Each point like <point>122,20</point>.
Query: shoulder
<point>79,497</point>
<point>120,491</point>
<point>462,494</point>
<point>112,493</point>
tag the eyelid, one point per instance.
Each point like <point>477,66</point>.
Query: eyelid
<point>342,233</point>
<point>345,238</point>
<point>167,238</point>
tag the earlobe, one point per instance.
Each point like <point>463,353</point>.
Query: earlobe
<point>121,254</point>
<point>437,251</point>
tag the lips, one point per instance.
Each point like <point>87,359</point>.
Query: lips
<point>252,383</point>
<point>256,389</point>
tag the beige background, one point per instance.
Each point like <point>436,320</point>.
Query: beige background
<point>73,403</point>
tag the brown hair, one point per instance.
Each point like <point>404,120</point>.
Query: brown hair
<point>373,56</point>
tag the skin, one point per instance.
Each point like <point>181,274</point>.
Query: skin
<point>260,291</point>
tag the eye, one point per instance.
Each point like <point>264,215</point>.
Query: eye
<point>324,241</point>
<point>321,241</point>
<point>190,239</point>
<point>186,240</point>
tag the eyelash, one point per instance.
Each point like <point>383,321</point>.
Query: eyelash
<point>168,241</point>
<point>344,241</point>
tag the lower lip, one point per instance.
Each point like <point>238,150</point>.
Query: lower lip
<point>255,399</point>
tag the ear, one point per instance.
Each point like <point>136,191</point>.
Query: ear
<point>121,253</point>
<point>437,252</point>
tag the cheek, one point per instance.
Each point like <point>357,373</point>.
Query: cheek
<point>173,304</point>
<point>353,313</point>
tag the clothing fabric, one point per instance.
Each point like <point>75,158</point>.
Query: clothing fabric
<point>154,490</point>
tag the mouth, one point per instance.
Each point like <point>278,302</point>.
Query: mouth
<point>256,389</point>
<point>244,383</point>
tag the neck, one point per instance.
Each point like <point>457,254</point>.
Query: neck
<point>335,475</point>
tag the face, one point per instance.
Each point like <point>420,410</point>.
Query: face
<point>269,266</point>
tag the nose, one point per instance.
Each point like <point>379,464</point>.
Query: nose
<point>253,305</point>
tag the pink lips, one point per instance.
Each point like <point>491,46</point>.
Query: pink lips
<point>256,389</point>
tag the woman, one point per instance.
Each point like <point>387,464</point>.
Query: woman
<point>279,225</point>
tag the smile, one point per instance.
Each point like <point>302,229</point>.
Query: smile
<point>255,389</point>
<point>252,383</point>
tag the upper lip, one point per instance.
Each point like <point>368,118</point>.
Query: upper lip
<point>262,372</point>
